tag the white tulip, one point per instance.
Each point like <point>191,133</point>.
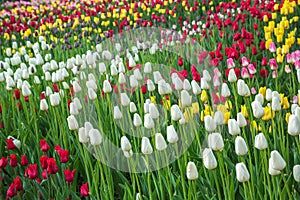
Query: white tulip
<point>257,108</point>
<point>133,82</point>
<point>209,159</point>
<point>95,137</point>
<point>91,84</point>
<point>204,85</point>
<point>106,86</point>
<point>137,121</point>
<point>242,173</point>
<point>148,121</point>
<point>146,146</point>
<point>43,105</point>
<point>77,103</point>
<point>54,99</point>
<point>117,113</point>
<point>82,136</point>
<point>72,123</point>
<point>210,124</point>
<point>225,92</point>
<point>16,60</point>
<point>215,141</point>
<point>73,109</point>
<point>132,107</point>
<point>195,87</point>
<point>276,104</point>
<point>172,136</point>
<point>294,125</point>
<point>10,83</point>
<point>243,89</point>
<point>259,98</point>
<point>185,98</point>
<point>268,94</point>
<point>186,85</point>
<point>219,118</point>
<point>113,70</point>
<point>296,173</point>
<point>176,113</point>
<point>260,142</point>
<point>137,74</point>
<point>122,78</point>
<point>153,111</point>
<point>240,146</point>
<point>150,85</point>
<point>232,76</point>
<point>102,68</point>
<point>277,162</point>
<point>241,120</point>
<point>160,142</point>
<point>206,75</point>
<point>191,171</point>
<point>125,101</point>
<point>157,77</point>
<point>125,144</point>
<point>92,94</point>
<point>147,68</point>
<point>178,84</point>
<point>76,87</point>
<point>25,91</point>
<point>273,171</point>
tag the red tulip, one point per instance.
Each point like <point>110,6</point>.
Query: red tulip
<point>84,190</point>
<point>69,175</point>
<point>3,162</point>
<point>55,87</point>
<point>11,192</point>
<point>51,166</point>
<point>144,89</point>
<point>264,72</point>
<point>13,160</point>
<point>31,172</point>
<point>10,144</point>
<point>24,161</point>
<point>44,145</point>
<point>264,61</point>
<point>180,61</point>
<point>64,155</point>
<point>18,183</point>
<point>17,94</point>
<point>43,161</point>
<point>254,50</point>
<point>45,174</point>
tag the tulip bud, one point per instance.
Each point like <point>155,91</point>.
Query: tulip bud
<point>132,107</point>
<point>276,161</point>
<point>268,94</point>
<point>157,77</point>
<point>91,84</point>
<point>257,108</point>
<point>148,121</point>
<point>54,99</point>
<point>122,79</point>
<point>259,98</point>
<point>117,113</point>
<point>225,92</point>
<point>186,85</point>
<point>76,87</point>
<point>113,70</point>
<point>150,85</point>
<point>137,121</point>
<point>125,144</point>
<point>92,94</point>
<point>276,104</point>
<point>82,135</point>
<point>209,160</point>
<point>219,118</point>
<point>73,109</point>
<point>102,68</point>
<point>172,136</point>
<point>232,76</point>
<point>178,83</point>
<point>296,173</point>
<point>240,146</point>
<point>210,124</point>
<point>125,101</point>
<point>147,68</point>
<point>206,75</point>
<point>195,87</point>
<point>77,103</point>
<point>185,98</point>
<point>95,137</point>
<point>72,123</point>
<point>204,85</point>
<point>191,171</point>
<point>146,146</point>
<point>215,141</point>
<point>273,171</point>
<point>160,142</point>
<point>233,127</point>
<point>43,105</point>
<point>294,125</point>
<point>243,89</point>
<point>242,173</point>
<point>260,142</point>
<point>176,113</point>
<point>241,120</point>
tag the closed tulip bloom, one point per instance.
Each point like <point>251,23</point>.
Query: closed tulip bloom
<point>191,171</point>
<point>204,84</point>
<point>72,123</point>
<point>296,173</point>
<point>195,87</point>
<point>185,98</point>
<point>91,84</point>
<point>242,173</point>
<point>209,159</point>
<point>257,109</point>
<point>268,94</point>
<point>125,144</point>
<point>148,121</point>
<point>150,85</point>
<point>76,87</point>
<point>210,124</point>
<point>215,141</point>
<point>178,83</point>
<point>153,111</point>
<point>83,137</point>
<point>132,107</point>
<point>95,137</point>
<point>271,170</point>
<point>43,105</point>
<point>122,78</point>
<point>125,101</point>
<point>117,113</point>
<point>147,68</point>
<point>137,74</point>
<point>219,118</point>
<point>113,70</point>
<point>243,89</point>
<point>233,127</point>
<point>277,162</point>
<point>106,86</point>
<point>77,103</point>
<point>240,146</point>
<point>176,113</point>
<point>54,99</point>
<point>146,146</point>
<point>294,125</point>
<point>259,98</point>
<point>10,83</point>
<point>206,75</point>
<point>73,109</point>
<point>186,85</point>
<point>261,142</point>
<point>157,77</point>
<point>92,94</point>
<point>137,121</point>
<point>102,68</point>
<point>232,76</point>
<point>241,120</point>
<point>276,104</point>
<point>160,142</point>
<point>225,92</point>
<point>133,82</point>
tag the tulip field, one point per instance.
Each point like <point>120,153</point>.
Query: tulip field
<point>150,99</point>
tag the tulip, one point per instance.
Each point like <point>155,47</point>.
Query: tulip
<point>137,74</point>
<point>276,104</point>
<point>296,173</point>
<point>191,171</point>
<point>268,94</point>
<point>178,84</point>
<point>242,173</point>
<point>106,86</point>
<point>73,109</point>
<point>125,144</point>
<point>186,85</point>
<point>294,125</point>
<point>117,113</point>
<point>95,137</point>
<point>160,142</point>
<point>233,127</point>
<point>76,87</point>
<point>245,61</point>
<point>195,87</point>
<point>82,135</point>
<point>259,98</point>
<point>210,124</point>
<point>150,85</point>
<point>92,94</point>
<point>230,63</point>
<point>43,105</point>
<point>54,99</point>
<point>128,154</point>
<point>260,142</point>
<point>147,68</point>
<point>273,171</point>
<point>241,120</point>
<point>172,136</point>
<point>122,78</point>
<point>77,103</point>
<point>240,146</point>
<point>225,92</point>
<point>215,141</point>
<point>176,113</point>
<point>113,70</point>
<point>102,68</point>
<point>232,76</point>
<point>276,161</point>
<point>243,89</point>
<point>84,190</point>
<point>146,146</point>
<point>257,108</point>
<point>125,101</point>
<point>91,84</point>
<point>272,47</point>
<point>209,160</point>
<point>132,107</point>
<point>219,118</point>
<point>157,77</point>
<point>133,82</point>
<point>153,111</point>
<point>185,98</point>
<point>72,123</point>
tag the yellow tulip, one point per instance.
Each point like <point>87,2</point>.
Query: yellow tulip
<point>262,90</point>
<point>285,103</point>
<point>269,114</point>
<point>153,99</point>
<point>279,58</point>
<point>287,116</point>
<point>265,18</point>
<point>244,110</point>
<point>226,117</point>
<point>228,104</point>
<point>203,96</point>
<point>195,108</point>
